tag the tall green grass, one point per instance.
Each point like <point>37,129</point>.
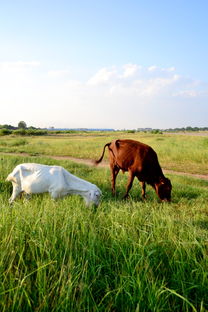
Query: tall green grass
<point>122,256</point>
<point>176,152</point>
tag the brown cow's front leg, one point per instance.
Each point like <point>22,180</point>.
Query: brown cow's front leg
<point>129,185</point>
<point>143,185</point>
<point>114,173</point>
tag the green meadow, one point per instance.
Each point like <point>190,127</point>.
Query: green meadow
<point>186,153</point>
<point>121,256</point>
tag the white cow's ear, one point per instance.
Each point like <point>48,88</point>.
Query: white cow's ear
<point>11,178</point>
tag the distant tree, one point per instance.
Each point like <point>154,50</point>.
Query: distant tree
<point>22,125</point>
<point>156,131</point>
<point>7,127</point>
<point>4,131</point>
<point>189,128</point>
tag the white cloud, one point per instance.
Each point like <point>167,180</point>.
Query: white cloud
<point>130,70</point>
<point>103,76</point>
<point>169,69</point>
<point>19,65</point>
<point>27,64</point>
<point>73,84</point>
<point>58,73</point>
<point>129,96</point>
<point>152,68</point>
<point>187,94</point>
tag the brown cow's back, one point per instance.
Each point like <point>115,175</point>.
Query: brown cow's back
<point>137,156</point>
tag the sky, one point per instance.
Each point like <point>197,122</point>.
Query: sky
<point>104,64</point>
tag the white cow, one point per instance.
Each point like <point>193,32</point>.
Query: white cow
<point>34,178</point>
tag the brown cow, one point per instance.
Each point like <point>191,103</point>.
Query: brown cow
<point>141,161</point>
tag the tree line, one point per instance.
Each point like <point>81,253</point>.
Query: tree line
<point>22,129</point>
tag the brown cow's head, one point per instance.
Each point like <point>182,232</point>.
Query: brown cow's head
<point>163,189</point>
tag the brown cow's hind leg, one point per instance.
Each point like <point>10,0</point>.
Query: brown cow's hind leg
<point>129,185</point>
<point>114,173</point>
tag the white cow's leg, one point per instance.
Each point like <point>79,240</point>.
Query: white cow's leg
<point>27,196</point>
<point>55,194</point>
<point>15,193</point>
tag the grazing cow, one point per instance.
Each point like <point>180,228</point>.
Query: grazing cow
<point>141,161</point>
<point>34,178</point>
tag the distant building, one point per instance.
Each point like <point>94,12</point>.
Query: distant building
<point>144,129</point>
<point>80,129</point>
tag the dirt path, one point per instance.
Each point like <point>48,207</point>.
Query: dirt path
<point>89,162</point>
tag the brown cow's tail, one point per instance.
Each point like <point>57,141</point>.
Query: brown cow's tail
<point>101,158</point>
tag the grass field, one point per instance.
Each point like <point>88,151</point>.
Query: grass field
<point>176,152</point>
<point>122,256</point>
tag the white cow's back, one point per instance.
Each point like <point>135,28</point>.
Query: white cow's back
<point>33,178</point>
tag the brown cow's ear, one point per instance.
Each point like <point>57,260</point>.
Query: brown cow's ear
<point>161,181</point>
<point>117,143</point>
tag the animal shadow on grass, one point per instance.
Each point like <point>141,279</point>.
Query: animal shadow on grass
<point>5,188</point>
<point>135,194</point>
<point>191,195</point>
<point>186,193</point>
<point>202,224</point>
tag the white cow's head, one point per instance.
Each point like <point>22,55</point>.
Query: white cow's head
<point>93,197</point>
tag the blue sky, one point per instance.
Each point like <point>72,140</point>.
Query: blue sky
<point>114,64</point>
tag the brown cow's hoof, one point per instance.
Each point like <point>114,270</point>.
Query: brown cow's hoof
<point>126,197</point>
